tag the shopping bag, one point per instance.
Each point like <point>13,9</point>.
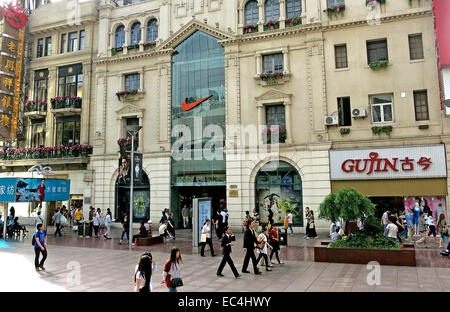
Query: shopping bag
<point>75,228</point>
<point>203,238</point>
<point>64,221</point>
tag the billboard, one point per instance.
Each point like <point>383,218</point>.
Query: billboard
<point>31,190</point>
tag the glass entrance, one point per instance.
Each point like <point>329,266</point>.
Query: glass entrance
<point>141,194</point>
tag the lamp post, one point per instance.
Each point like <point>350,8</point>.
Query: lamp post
<point>133,130</point>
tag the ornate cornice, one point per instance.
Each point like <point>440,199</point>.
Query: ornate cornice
<point>130,57</point>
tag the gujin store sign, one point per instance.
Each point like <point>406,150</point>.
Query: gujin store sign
<point>389,163</point>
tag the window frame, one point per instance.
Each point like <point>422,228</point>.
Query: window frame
<point>340,102</point>
<point>76,119</point>
<point>40,47</point>
<point>247,8</point>
<point>48,46</point>
<point>63,47</point>
<point>77,84</point>
<point>381,105</point>
<point>151,31</point>
<point>122,36</point>
<point>336,61</point>
<point>377,41</point>
<point>37,137</point>
<point>294,4</point>
<point>334,3</point>
<point>273,7</point>
<point>134,33</point>
<point>274,107</point>
<point>72,43</point>
<point>81,41</point>
<point>273,69</point>
<point>413,36</point>
<point>131,75</point>
<point>37,81</point>
<point>417,93</point>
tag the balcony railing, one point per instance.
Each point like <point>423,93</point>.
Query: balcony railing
<point>34,107</point>
<point>66,102</point>
<point>62,151</point>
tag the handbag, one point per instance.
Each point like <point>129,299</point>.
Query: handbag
<point>176,282</point>
<point>286,222</point>
<point>203,238</point>
<point>311,225</point>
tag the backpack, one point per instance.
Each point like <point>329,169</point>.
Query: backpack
<point>33,241</point>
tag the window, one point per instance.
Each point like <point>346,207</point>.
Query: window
<point>48,46</point>
<point>82,35</point>
<point>334,3</point>
<point>377,51</point>
<point>135,33</point>
<point>63,48</point>
<point>345,112</point>
<point>131,121</point>
<point>40,85</point>
<point>120,36</point>
<point>40,47</point>
<point>415,47</point>
<point>70,81</point>
<point>152,30</point>
<point>340,53</point>
<point>68,130</point>
<point>273,63</point>
<point>73,41</point>
<point>271,10</point>
<point>37,133</point>
<point>275,116</point>
<point>251,13</point>
<point>132,82</point>
<point>293,8</point>
<point>381,108</point>
<point>421,105</point>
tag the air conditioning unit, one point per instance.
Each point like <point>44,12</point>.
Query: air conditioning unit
<point>331,120</point>
<point>359,112</point>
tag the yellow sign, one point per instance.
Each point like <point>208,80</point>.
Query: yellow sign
<point>10,65</point>
<point>5,121</point>
<point>6,101</point>
<point>7,82</point>
<point>11,47</point>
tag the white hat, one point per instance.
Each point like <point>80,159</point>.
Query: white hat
<point>149,221</point>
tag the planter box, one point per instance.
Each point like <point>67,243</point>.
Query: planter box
<point>405,256</point>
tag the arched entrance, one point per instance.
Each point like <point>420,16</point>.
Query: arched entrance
<point>141,194</point>
<point>278,181</point>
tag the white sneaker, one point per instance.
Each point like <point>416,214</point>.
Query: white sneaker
<point>307,238</point>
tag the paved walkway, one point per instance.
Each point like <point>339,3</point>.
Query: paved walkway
<point>95,264</point>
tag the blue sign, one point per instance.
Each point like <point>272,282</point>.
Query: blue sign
<point>7,190</point>
<point>204,212</point>
<point>57,189</point>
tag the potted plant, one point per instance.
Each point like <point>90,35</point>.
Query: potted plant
<point>344,131</point>
<point>115,50</point>
<point>290,22</point>
<point>250,29</point>
<point>271,25</point>
<point>334,11</point>
<point>386,129</point>
<point>271,78</point>
<point>378,65</point>
<point>149,45</point>
<point>124,94</point>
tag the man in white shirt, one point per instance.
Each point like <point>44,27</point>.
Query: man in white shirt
<point>185,214</point>
<point>224,217</point>
<point>384,220</point>
<point>163,231</point>
<point>391,230</point>
<point>206,230</point>
<point>38,219</point>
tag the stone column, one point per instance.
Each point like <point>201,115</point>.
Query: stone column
<point>261,16</point>
<point>141,42</point>
<point>84,118</point>
<point>127,41</point>
<point>258,63</point>
<point>282,14</point>
<point>287,109</point>
<point>52,91</point>
<point>286,61</point>
<point>261,121</point>
<point>104,24</point>
<point>141,79</point>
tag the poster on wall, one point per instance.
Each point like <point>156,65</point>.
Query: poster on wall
<point>124,169</point>
<point>31,190</point>
<point>436,204</point>
<point>141,209</point>
<point>204,212</point>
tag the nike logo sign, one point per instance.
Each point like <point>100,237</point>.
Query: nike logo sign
<point>186,107</point>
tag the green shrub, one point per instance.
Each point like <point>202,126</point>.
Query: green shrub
<point>361,240</point>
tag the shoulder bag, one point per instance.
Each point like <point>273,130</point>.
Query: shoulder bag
<point>176,282</point>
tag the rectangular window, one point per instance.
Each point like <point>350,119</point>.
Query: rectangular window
<point>40,47</point>
<point>132,82</point>
<point>73,41</point>
<point>63,48</point>
<point>37,133</point>
<point>340,52</point>
<point>82,35</point>
<point>68,130</point>
<point>40,85</point>
<point>381,108</point>
<point>130,121</point>
<point>377,51</point>
<point>334,3</point>
<point>421,105</point>
<point>48,46</point>
<point>415,47</point>
<point>273,63</point>
<point>275,116</point>
<point>70,81</point>
<point>345,112</point>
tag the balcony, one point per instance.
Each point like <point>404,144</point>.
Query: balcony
<point>64,106</point>
<point>35,110</point>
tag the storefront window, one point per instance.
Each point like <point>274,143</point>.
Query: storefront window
<point>141,195</point>
<point>38,133</point>
<point>278,181</point>
<point>68,130</point>
<point>70,80</point>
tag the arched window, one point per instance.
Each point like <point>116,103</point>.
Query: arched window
<point>271,10</point>
<point>135,33</point>
<point>293,8</point>
<point>120,36</point>
<point>251,13</point>
<point>152,30</point>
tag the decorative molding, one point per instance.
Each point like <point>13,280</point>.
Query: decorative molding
<point>274,95</point>
<point>130,110</point>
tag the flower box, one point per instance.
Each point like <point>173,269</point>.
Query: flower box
<point>133,46</point>
<point>115,50</point>
<point>291,22</point>
<point>125,144</point>
<point>149,45</point>
<point>61,151</point>
<point>375,1</point>
<point>122,95</point>
<point>271,25</point>
<point>61,102</point>
<point>271,78</point>
<point>335,11</point>
<point>250,29</point>
<point>378,65</point>
<point>270,133</point>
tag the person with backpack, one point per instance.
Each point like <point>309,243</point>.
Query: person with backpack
<point>39,243</point>
<point>143,275</point>
<point>38,219</point>
<point>171,272</point>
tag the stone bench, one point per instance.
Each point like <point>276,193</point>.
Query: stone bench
<point>149,240</point>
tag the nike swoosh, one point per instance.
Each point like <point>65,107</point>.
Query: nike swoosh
<point>187,107</point>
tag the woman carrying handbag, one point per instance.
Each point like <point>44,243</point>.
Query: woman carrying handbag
<point>311,225</point>
<point>171,272</point>
<point>263,245</point>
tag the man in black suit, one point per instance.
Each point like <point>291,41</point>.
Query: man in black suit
<point>249,248</point>
<point>227,240</point>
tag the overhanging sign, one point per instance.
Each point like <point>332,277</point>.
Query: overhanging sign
<point>428,161</point>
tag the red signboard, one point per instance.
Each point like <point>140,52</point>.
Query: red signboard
<point>14,15</point>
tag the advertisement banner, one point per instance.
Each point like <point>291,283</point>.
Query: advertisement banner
<point>29,190</point>
<point>204,212</point>
<point>7,189</point>
<point>137,176</point>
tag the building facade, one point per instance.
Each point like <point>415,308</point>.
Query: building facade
<point>209,80</point>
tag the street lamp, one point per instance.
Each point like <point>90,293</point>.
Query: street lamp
<point>133,131</point>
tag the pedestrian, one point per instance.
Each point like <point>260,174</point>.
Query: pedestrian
<point>249,249</point>
<point>227,243</point>
<point>171,226</point>
<point>150,228</point>
<point>163,232</point>
<point>91,220</point>
<point>172,270</point>
<point>443,229</point>
<point>97,221</point>
<point>185,215</point>
<point>218,224</point>
<point>38,219</point>
<point>125,229</point>
<point>143,273</point>
<point>40,246</point>
<point>275,243</point>
<point>270,216</point>
<point>410,223</point>
<point>384,220</point>
<point>190,216</point>
<point>142,232</point>
<point>247,220</point>
<point>311,225</point>
<point>108,225</point>
<point>225,216</point>
<point>399,224</point>
<point>422,227</point>
<point>291,221</point>
<point>392,229</point>
<point>57,219</point>
<point>12,212</point>
<point>206,230</point>
<point>263,246</point>
<point>256,219</point>
<point>335,236</point>
<point>431,226</point>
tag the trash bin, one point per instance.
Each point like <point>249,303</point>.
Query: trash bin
<point>87,229</point>
<point>282,237</point>
<point>81,229</point>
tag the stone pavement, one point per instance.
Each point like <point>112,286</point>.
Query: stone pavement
<point>98,265</point>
